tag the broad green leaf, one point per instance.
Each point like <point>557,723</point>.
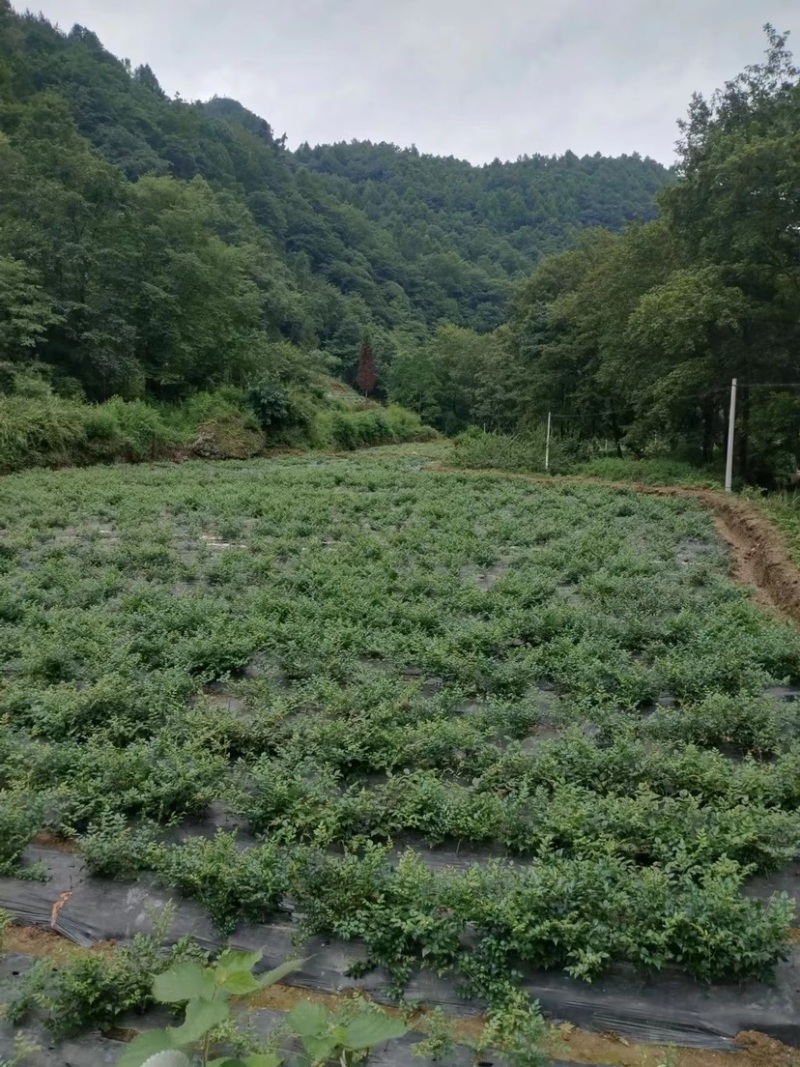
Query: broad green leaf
<point>239,983</point>
<point>320,1049</point>
<point>226,1061</point>
<point>373,1028</point>
<point>262,1059</point>
<point>201,1016</point>
<point>233,960</point>
<point>308,1019</point>
<point>339,1035</point>
<point>185,981</point>
<point>170,1057</point>
<point>271,977</point>
<point>144,1046</point>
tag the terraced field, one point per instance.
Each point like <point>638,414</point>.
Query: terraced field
<point>477,725</point>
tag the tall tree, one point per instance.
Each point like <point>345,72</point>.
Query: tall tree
<point>366,376</point>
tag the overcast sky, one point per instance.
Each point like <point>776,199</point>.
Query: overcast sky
<point>477,79</point>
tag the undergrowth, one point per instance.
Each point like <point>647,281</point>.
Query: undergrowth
<point>529,452</point>
<point>39,428</point>
<point>91,991</point>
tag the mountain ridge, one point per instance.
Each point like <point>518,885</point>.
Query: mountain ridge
<point>361,239</point>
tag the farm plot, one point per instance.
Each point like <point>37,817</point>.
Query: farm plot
<point>474,725</point>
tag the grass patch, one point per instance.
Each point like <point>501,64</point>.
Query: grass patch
<point>651,471</point>
<point>526,452</point>
<point>783,510</point>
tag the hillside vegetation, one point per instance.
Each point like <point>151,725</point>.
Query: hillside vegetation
<point>40,428</point>
<point>631,340</point>
<point>152,247</point>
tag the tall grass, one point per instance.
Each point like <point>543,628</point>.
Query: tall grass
<point>46,430</point>
<point>568,455</point>
<point>345,430</point>
<point>523,452</point>
<point>783,509</point>
<point>52,431</point>
<point>663,470</point>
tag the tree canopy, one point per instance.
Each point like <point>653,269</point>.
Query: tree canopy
<point>155,245</point>
<point>636,336</point>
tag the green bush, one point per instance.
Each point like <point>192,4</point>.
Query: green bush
<point>21,817</point>
<point>234,885</point>
<point>91,991</point>
<point>347,430</point>
<point>144,433</point>
<point>40,430</point>
<point>113,847</point>
<point>650,471</point>
<point>51,431</point>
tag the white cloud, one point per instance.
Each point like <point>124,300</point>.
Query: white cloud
<point>471,78</point>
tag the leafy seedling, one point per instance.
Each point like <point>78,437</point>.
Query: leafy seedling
<point>330,1037</point>
<point>206,992</point>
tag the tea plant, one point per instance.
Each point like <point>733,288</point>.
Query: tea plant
<point>360,656</point>
<point>233,885</point>
<point>518,1028</point>
<point>20,817</point>
<point>91,991</point>
<point>439,1039</point>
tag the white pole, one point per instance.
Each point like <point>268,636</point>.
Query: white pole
<point>547,446</point>
<point>731,424</point>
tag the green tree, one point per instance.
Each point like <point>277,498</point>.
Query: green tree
<point>26,310</point>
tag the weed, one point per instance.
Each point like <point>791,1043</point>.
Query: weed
<point>439,1038</point>
<point>344,1036</point>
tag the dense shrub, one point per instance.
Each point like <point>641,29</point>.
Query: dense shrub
<point>52,431</point>
<point>233,884</point>
<point>348,430</point>
<point>665,470</point>
<point>40,428</point>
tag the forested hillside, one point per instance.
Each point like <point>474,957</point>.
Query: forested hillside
<point>156,248</point>
<point>504,215</point>
<point>151,246</point>
<point>633,339</point>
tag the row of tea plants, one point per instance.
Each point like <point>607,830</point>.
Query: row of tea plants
<point>363,659</point>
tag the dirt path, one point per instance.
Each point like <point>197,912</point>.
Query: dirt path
<point>759,556</point>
